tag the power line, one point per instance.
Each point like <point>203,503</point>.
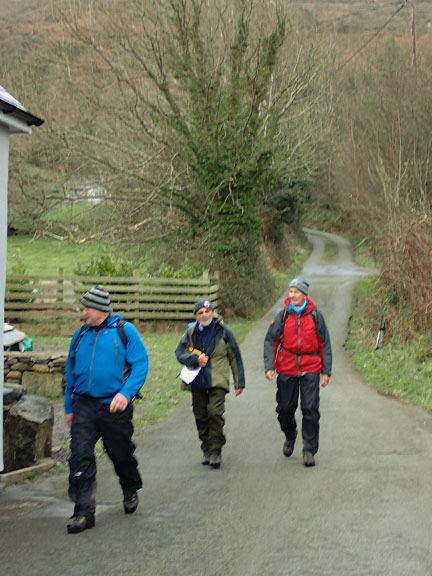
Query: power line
<point>373,36</point>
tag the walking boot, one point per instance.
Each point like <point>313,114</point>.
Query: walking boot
<point>215,460</point>
<point>308,459</point>
<point>130,501</point>
<point>205,459</point>
<point>79,523</point>
<point>288,447</point>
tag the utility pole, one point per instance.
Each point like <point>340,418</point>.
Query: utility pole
<point>413,36</point>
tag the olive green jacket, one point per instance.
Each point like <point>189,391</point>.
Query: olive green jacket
<point>224,355</point>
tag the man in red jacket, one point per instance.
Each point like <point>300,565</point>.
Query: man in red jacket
<point>297,347</point>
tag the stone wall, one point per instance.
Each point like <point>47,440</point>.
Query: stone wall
<point>28,428</point>
<point>32,381</point>
<point>38,373</point>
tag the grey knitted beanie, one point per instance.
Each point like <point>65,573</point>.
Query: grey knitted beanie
<point>300,284</point>
<point>97,298</point>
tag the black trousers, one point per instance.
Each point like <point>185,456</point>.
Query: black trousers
<point>208,407</point>
<point>287,395</point>
<point>92,420</point>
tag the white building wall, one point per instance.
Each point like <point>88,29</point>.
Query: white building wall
<point>4,159</point>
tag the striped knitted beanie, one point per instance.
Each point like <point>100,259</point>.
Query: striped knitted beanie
<point>97,298</point>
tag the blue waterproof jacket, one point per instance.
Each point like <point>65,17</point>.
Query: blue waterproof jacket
<point>96,361</point>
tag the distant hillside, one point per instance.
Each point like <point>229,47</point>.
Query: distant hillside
<point>22,19</point>
<point>30,30</point>
<point>22,9</point>
<point>366,14</point>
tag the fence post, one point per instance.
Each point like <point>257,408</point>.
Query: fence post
<point>60,285</point>
<point>59,294</point>
<point>215,278</point>
<point>206,279</point>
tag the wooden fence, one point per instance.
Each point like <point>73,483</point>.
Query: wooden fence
<point>40,299</point>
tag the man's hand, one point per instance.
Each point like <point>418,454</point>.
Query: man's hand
<point>202,360</point>
<point>270,374</point>
<point>119,403</point>
<point>68,419</point>
<point>325,379</point>
<point>238,391</point>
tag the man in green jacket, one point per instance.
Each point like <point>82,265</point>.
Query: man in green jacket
<point>209,350</point>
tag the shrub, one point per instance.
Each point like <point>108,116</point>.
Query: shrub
<point>186,270</point>
<point>105,265</point>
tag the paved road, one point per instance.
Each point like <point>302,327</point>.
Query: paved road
<point>364,510</point>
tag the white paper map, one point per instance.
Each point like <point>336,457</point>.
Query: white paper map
<point>188,375</point>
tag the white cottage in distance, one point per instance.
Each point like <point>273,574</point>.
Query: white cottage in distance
<point>14,119</point>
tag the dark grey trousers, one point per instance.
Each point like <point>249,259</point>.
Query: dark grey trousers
<point>287,396</point>
<point>92,420</point>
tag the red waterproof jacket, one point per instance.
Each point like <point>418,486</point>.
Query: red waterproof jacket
<point>300,343</point>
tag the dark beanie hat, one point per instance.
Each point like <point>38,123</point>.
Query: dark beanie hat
<point>97,298</point>
<point>201,303</point>
<point>300,284</point>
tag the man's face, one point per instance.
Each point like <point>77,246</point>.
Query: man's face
<point>297,297</point>
<point>94,317</point>
<point>204,316</point>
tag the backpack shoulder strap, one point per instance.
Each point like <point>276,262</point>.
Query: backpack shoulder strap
<point>121,332</point>
<point>286,313</point>
<point>190,329</point>
<point>120,329</point>
<point>126,366</point>
<point>189,332</point>
<point>314,316</point>
<point>190,347</point>
<point>83,329</point>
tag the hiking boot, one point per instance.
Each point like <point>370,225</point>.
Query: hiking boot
<point>205,459</point>
<point>130,501</point>
<point>215,460</point>
<point>308,459</point>
<point>80,523</point>
<point>288,447</point>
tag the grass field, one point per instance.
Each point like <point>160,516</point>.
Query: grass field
<point>47,255</point>
<point>401,368</point>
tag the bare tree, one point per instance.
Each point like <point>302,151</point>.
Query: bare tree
<point>205,117</point>
<point>384,174</point>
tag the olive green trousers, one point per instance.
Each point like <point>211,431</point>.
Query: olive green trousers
<point>208,407</point>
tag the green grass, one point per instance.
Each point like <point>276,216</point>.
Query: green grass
<point>401,368</point>
<point>65,214</point>
<point>363,252</point>
<point>161,394</point>
<point>47,255</point>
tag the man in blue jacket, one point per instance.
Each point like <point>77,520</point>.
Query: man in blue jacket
<point>106,367</point>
